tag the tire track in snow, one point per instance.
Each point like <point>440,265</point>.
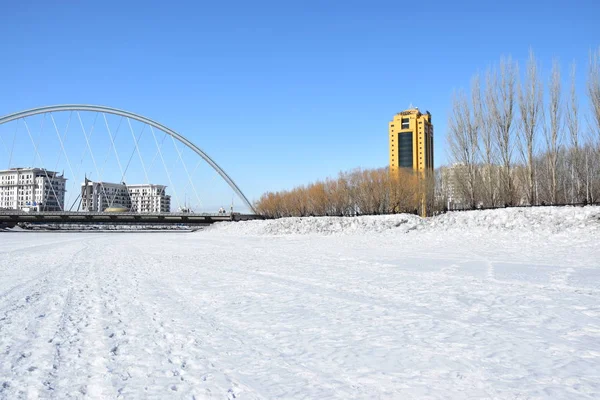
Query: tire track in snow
<point>178,348</point>
<point>500,328</point>
<point>49,262</point>
<point>28,350</point>
<point>79,351</point>
<point>226,341</point>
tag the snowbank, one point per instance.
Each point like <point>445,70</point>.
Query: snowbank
<point>539,219</point>
<point>321,225</point>
<point>546,219</point>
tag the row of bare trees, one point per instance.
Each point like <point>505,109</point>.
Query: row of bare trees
<point>370,192</point>
<point>525,141</point>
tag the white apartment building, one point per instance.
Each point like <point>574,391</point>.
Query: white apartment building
<point>450,189</point>
<point>149,198</point>
<point>98,196</point>
<point>143,198</point>
<point>32,188</point>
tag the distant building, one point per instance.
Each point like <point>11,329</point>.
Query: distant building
<point>411,141</point>
<point>143,198</point>
<point>411,147</point>
<point>32,188</point>
<point>98,196</point>
<point>149,198</point>
<point>452,187</point>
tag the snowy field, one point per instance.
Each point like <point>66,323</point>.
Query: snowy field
<point>495,304</point>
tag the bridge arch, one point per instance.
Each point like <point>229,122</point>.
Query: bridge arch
<point>137,117</point>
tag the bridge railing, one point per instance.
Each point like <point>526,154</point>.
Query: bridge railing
<point>174,214</point>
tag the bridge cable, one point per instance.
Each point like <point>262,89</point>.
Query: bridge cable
<point>81,162</point>
<point>159,148</point>
<point>112,140</point>
<point>43,168</point>
<point>165,166</point>
<point>12,148</point>
<point>64,140</point>
<point>10,152</point>
<point>62,144</point>
<point>92,156</point>
<point>137,148</point>
<point>139,155</point>
<point>133,152</point>
<point>6,148</point>
<point>43,121</point>
<point>193,172</point>
<point>186,170</point>
<point>112,197</point>
<point>42,124</point>
<point>61,140</point>
<point>156,154</point>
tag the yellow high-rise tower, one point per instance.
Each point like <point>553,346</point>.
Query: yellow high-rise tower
<point>411,141</point>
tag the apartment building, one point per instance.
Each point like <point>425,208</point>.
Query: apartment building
<point>98,196</point>
<point>149,198</point>
<point>142,198</point>
<point>32,189</point>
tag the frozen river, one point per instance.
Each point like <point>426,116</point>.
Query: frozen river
<point>383,308</point>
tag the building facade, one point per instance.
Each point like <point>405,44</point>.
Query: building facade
<point>32,189</point>
<point>453,190</point>
<point>149,198</point>
<point>485,188</point>
<point>98,196</point>
<point>143,198</point>
<point>411,141</point>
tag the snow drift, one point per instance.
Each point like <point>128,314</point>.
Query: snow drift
<point>546,219</point>
<point>322,225</point>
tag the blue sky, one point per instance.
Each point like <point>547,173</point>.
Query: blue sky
<point>278,93</point>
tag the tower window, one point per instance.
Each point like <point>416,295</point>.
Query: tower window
<point>405,123</point>
<point>405,150</point>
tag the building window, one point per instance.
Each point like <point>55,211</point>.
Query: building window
<point>405,150</point>
<point>405,123</point>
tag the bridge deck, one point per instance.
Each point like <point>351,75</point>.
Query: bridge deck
<point>12,217</point>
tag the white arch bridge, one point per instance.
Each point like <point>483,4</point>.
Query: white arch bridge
<point>120,152</point>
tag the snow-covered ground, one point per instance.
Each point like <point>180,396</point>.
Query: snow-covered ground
<point>493,304</point>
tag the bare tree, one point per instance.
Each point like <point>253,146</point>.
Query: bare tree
<point>500,99</point>
<point>440,192</point>
<point>574,156</point>
<point>593,86</point>
<point>593,155</point>
<point>553,131</point>
<point>530,106</point>
<point>404,191</point>
<point>463,141</point>
<point>338,196</point>
<point>488,148</point>
<point>591,161</point>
